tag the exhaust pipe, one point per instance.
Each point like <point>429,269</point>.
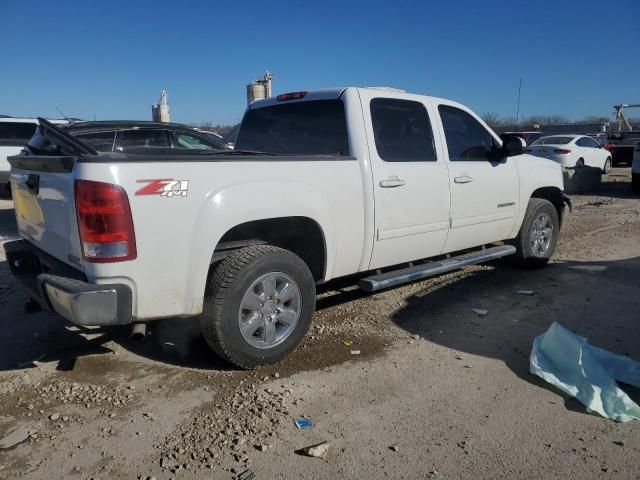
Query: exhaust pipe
<point>138,332</point>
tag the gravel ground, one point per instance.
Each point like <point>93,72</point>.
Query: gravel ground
<point>436,390</point>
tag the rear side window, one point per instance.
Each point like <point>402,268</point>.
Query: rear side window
<point>16,134</point>
<point>101,141</point>
<point>191,142</point>
<point>316,127</point>
<point>142,138</point>
<point>466,138</point>
<point>402,131</point>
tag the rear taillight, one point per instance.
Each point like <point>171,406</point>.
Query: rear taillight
<point>105,223</point>
<point>609,146</point>
<point>561,150</point>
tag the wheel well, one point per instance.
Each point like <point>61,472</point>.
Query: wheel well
<point>552,194</point>
<point>300,235</point>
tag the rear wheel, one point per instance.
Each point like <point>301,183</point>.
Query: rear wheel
<point>258,305</point>
<point>538,234</point>
<point>607,166</point>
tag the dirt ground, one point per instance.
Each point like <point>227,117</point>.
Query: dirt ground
<point>436,391</point>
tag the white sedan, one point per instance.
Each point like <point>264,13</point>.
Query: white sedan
<point>572,151</point>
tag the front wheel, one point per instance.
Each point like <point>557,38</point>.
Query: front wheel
<point>607,166</point>
<point>538,235</point>
<point>258,305</point>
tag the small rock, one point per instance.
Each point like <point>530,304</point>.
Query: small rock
<point>394,448</point>
<point>620,443</point>
<point>17,436</point>
<point>276,375</point>
<point>54,416</point>
<point>170,463</point>
<point>317,451</point>
<point>480,311</point>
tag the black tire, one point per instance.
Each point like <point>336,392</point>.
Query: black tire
<point>607,166</point>
<point>580,163</point>
<point>230,280</point>
<point>635,182</point>
<point>525,255</point>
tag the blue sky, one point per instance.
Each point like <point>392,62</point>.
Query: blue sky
<point>111,58</point>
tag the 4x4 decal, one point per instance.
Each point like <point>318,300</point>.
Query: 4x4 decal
<point>165,187</point>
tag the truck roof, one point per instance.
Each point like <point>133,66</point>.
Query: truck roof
<point>334,93</point>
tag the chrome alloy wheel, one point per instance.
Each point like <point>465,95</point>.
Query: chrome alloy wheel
<point>541,235</point>
<point>270,310</point>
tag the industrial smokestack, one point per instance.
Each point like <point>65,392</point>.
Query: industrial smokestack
<point>259,89</point>
<point>160,111</point>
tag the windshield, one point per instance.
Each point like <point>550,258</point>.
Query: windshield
<point>553,141</point>
<point>317,127</point>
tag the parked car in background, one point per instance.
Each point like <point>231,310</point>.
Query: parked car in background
<point>528,137</point>
<point>142,137</point>
<point>635,170</point>
<point>15,132</point>
<point>230,138</point>
<point>573,151</point>
<point>600,137</point>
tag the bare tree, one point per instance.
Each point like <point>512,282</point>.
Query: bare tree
<point>492,119</point>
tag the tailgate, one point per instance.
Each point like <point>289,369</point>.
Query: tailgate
<point>42,183</point>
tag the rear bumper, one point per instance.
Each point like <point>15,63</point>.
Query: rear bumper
<point>64,290</point>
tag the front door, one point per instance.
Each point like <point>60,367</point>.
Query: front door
<point>410,181</point>
<point>484,189</point>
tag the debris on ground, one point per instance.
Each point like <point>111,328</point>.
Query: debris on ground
<point>318,451</point>
<point>169,463</point>
<point>347,343</point>
<point>585,372</point>
<point>526,292</point>
<point>16,437</point>
<point>303,423</point>
<point>480,311</point>
<point>394,448</point>
<point>355,352</point>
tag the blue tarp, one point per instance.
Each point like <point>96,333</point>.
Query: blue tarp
<point>585,372</point>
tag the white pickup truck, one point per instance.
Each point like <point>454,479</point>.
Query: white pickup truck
<point>376,184</point>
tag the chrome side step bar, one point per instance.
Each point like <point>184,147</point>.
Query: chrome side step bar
<point>418,272</point>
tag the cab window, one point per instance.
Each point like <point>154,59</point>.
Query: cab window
<point>466,138</point>
<point>402,131</point>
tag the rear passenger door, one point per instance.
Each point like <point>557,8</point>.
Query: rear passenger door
<point>410,184</point>
<point>484,188</point>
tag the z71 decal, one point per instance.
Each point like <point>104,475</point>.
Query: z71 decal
<point>165,187</point>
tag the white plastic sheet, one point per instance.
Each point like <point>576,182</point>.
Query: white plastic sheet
<point>585,372</point>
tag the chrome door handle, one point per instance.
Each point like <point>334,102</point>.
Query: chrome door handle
<point>392,182</point>
<point>463,179</point>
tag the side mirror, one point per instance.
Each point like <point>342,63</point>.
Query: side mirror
<point>513,146</point>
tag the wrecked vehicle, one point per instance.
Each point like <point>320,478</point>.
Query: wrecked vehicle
<point>375,183</point>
